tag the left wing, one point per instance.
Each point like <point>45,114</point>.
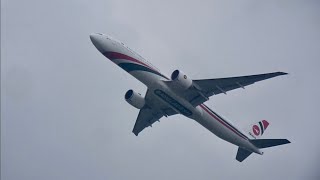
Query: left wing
<point>222,85</point>
<point>202,89</point>
<point>150,113</point>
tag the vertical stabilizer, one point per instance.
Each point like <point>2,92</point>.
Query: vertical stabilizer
<point>256,130</point>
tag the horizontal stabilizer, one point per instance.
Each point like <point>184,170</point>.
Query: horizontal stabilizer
<point>242,154</point>
<point>265,143</point>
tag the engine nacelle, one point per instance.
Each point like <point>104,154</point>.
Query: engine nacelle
<point>135,99</point>
<point>182,81</point>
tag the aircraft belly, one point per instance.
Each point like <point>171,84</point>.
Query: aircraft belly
<point>180,105</point>
<point>220,130</point>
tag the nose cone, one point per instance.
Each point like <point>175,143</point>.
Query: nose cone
<point>98,41</point>
<point>94,38</point>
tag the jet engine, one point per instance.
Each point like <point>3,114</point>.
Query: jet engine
<point>181,80</point>
<point>135,99</point>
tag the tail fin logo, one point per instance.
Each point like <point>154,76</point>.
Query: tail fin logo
<point>259,128</point>
<point>256,130</point>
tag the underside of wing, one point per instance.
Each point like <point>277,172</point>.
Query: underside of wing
<point>150,113</point>
<point>222,85</point>
<point>202,89</point>
<point>145,118</point>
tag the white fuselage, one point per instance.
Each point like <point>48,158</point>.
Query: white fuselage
<point>149,75</point>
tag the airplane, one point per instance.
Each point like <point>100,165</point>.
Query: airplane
<point>180,94</point>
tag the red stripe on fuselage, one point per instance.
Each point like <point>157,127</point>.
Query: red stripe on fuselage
<point>116,55</point>
<point>222,121</point>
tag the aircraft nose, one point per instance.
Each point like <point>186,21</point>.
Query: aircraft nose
<point>97,41</point>
<point>94,39</point>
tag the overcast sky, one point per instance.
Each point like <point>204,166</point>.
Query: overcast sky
<point>63,113</point>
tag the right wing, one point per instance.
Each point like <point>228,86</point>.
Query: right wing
<point>150,113</point>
